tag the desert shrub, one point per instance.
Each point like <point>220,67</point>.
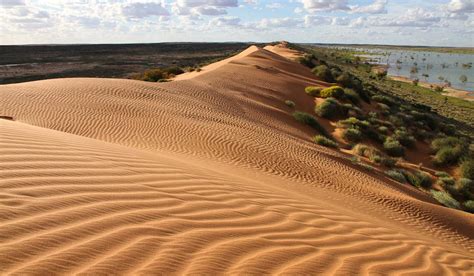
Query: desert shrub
<point>384,99</point>
<point>375,158</point>
<point>324,141</point>
<point>329,108</point>
<point>175,70</point>
<point>309,120</point>
<point>469,206</point>
<point>404,138</point>
<point>466,187</point>
<point>352,135</point>
<point>344,79</point>
<point>393,148</point>
<point>467,169</point>
<point>447,156</point>
<point>355,160</point>
<point>396,175</point>
<point>290,103</point>
<point>353,122</point>
<point>395,120</point>
<point>351,95</point>
<point>445,199</point>
<point>383,129</point>
<point>313,91</point>
<point>388,161</point>
<point>307,60</point>
<point>323,72</point>
<point>445,181</point>
<point>448,129</point>
<point>442,174</point>
<point>419,179</point>
<point>384,109</point>
<point>362,150</point>
<point>332,92</point>
<point>154,75</point>
<point>449,141</point>
<point>160,75</point>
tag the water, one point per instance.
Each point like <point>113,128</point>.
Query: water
<point>432,67</point>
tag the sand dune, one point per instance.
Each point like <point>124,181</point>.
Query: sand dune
<point>208,174</point>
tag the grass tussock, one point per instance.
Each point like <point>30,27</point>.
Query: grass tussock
<point>311,121</point>
<point>324,141</point>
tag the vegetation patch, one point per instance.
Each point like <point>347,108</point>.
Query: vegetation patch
<point>290,104</point>
<point>311,121</point>
<point>324,141</point>
<point>313,91</point>
<point>330,108</point>
<point>446,199</point>
<point>393,148</point>
<point>332,92</point>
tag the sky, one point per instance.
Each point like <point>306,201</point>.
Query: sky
<point>402,22</point>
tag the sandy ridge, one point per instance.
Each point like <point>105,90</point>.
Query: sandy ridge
<point>115,176</point>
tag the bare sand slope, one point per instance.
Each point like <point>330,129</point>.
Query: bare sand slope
<point>202,176</point>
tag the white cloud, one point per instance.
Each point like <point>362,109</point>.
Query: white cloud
<point>378,6</point>
<point>325,5</point>
<point>210,11</point>
<point>12,3</point>
<point>285,22</point>
<point>142,10</point>
<point>225,21</point>
<point>212,3</point>
<point>461,6</point>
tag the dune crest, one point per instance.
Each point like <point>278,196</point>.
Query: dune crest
<point>206,175</point>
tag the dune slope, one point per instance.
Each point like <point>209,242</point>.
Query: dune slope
<point>207,174</point>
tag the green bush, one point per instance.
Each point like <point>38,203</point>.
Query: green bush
<point>324,141</point>
<point>396,175</point>
<point>160,75</point>
<point>383,129</point>
<point>445,181</point>
<point>445,199</point>
<point>307,60</point>
<point>388,162</point>
<point>352,135</point>
<point>323,72</point>
<point>419,179</point>
<point>466,187</point>
<point>352,96</point>
<point>393,148</point>
<point>154,75</point>
<point>467,169</point>
<point>332,92</point>
<point>449,141</point>
<point>404,138</point>
<point>345,79</point>
<point>309,120</point>
<point>330,108</point>
<point>384,99</point>
<point>442,174</point>
<point>469,206</point>
<point>313,91</point>
<point>290,103</point>
<point>448,155</point>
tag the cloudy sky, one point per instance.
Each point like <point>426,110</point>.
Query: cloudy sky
<point>407,22</point>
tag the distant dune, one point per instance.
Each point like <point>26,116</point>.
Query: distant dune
<point>208,174</point>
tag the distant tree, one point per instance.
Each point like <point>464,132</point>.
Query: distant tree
<point>415,82</point>
<point>463,78</point>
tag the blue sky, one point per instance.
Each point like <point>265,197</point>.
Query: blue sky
<point>429,22</point>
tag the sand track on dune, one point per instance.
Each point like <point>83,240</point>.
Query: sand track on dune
<point>206,175</point>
